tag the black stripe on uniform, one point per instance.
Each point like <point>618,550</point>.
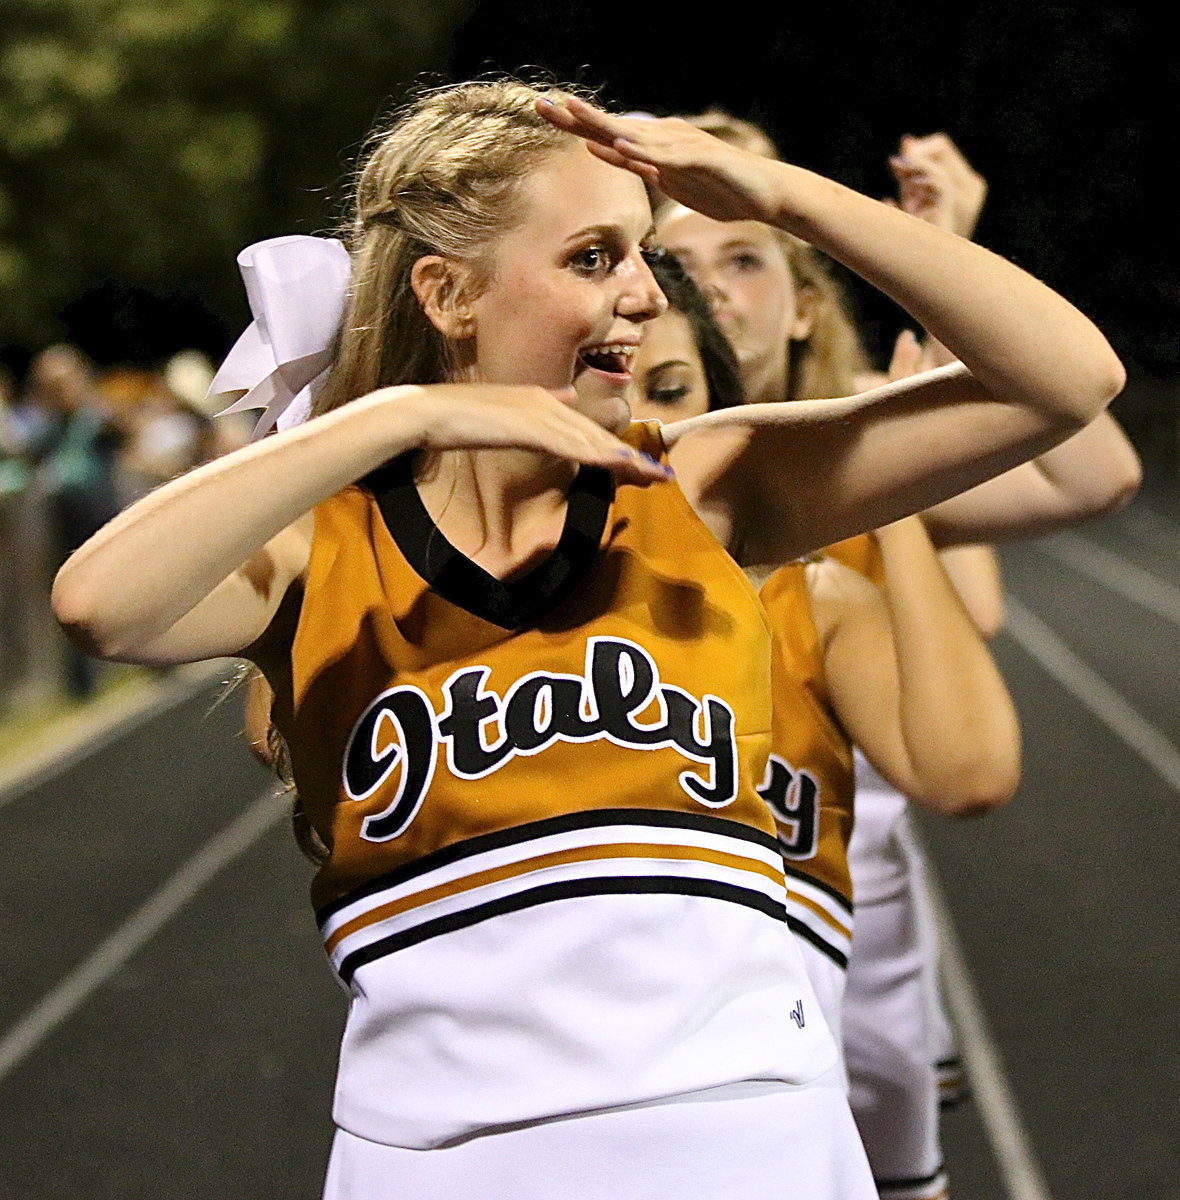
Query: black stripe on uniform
<point>592,819</point>
<point>826,888</point>
<point>509,603</point>
<point>809,935</point>
<point>545,894</point>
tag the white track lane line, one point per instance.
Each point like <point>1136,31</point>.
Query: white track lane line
<point>990,1090</point>
<point>77,987</point>
<point>1116,574</point>
<point>103,721</point>
<point>1093,692</point>
<point>997,1107</point>
<point>1144,525</point>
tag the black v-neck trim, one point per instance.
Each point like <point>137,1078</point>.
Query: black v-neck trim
<point>511,604</point>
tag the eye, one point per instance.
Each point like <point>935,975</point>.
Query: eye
<point>746,261</point>
<point>593,260</point>
<point>667,395</point>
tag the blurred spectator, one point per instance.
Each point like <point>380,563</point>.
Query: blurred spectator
<point>14,477</point>
<point>14,472</point>
<point>167,432</point>
<point>189,375</point>
<point>66,436</point>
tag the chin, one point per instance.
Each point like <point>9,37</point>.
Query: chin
<point>605,405</point>
<point>618,415</point>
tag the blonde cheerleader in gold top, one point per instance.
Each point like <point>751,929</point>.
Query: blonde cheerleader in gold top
<point>525,682</point>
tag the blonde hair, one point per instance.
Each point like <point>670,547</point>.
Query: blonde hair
<point>442,178</point>
<point>828,361</point>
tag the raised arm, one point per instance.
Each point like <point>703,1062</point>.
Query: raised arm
<point>912,679</point>
<point>1092,473</point>
<point>200,567</point>
<point>1036,370</point>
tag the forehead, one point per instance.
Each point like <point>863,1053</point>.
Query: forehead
<point>572,190</point>
<point>683,230</point>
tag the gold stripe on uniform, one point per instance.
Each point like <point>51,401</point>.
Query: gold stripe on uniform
<point>557,858</point>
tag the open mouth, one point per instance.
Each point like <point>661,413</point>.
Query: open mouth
<point>611,358</point>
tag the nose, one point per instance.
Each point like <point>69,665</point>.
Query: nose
<point>710,286</point>
<point>640,297</point>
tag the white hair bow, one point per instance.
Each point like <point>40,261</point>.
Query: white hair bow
<point>297,287</point>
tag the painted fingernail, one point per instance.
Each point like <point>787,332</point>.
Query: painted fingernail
<point>546,100</point>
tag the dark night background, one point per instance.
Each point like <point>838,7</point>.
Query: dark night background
<point>1069,110</point>
<point>1062,108</point>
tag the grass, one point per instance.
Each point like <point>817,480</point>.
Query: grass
<point>28,725</point>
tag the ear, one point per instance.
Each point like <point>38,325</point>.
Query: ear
<point>438,284</point>
<point>807,306</point>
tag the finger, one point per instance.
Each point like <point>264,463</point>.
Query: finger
<point>610,155</point>
<point>576,116</point>
<point>624,462</point>
<point>640,473</point>
<point>577,436</point>
<point>645,171</point>
<point>609,124</point>
<point>906,359</point>
<point>943,146</point>
<point>909,165</point>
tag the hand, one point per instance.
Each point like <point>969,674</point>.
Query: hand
<point>909,357</point>
<point>479,416</point>
<point>685,163</point>
<point>937,184</point>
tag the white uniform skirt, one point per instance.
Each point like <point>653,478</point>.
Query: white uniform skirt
<point>753,1141</point>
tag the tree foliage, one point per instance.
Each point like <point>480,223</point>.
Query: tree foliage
<point>147,142</point>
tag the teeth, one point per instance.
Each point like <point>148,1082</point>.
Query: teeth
<point>626,349</point>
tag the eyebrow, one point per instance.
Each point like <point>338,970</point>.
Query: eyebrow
<point>609,231</point>
<point>683,252</point>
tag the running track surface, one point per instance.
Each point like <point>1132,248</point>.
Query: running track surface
<point>169,1024</point>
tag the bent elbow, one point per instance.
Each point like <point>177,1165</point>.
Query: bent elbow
<point>1111,486</point>
<point>979,803</point>
<point>1092,392</point>
<point>1124,483</point>
<point>1112,377</point>
<point>1108,377</point>
<point>973,790</point>
<point>73,607</point>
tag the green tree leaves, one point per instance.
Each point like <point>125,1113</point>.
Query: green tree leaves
<point>148,142</point>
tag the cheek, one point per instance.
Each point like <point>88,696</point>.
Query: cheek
<point>540,321</point>
<point>697,400</point>
<point>769,306</point>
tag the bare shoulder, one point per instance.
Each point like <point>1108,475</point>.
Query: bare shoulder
<point>832,583</point>
<point>703,456</point>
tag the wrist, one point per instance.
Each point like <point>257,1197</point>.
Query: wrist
<point>398,416</point>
